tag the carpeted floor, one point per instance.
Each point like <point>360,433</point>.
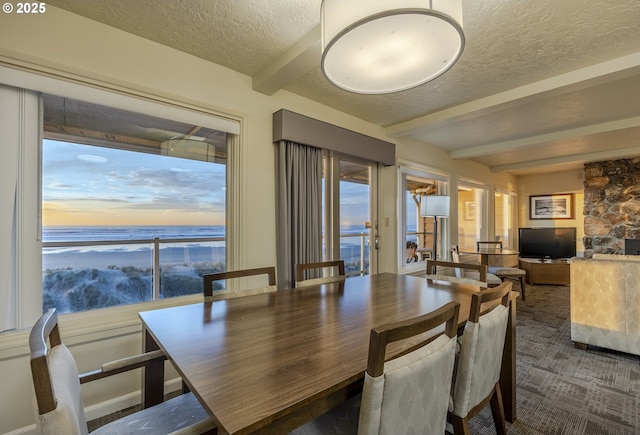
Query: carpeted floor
<point>560,390</point>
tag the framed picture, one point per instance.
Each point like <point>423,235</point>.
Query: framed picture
<point>551,206</point>
<point>469,210</point>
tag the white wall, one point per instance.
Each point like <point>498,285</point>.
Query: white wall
<point>548,183</point>
<point>62,44</point>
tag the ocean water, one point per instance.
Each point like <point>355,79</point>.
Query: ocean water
<point>102,233</point>
<point>140,254</point>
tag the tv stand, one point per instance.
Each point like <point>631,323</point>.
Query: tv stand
<point>546,271</point>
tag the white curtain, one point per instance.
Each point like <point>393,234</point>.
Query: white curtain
<point>20,250</point>
<point>299,208</point>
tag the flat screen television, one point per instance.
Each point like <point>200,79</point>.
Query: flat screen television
<point>547,242</point>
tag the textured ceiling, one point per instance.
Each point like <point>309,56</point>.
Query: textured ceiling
<point>541,85</point>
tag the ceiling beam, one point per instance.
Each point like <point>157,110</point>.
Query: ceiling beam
<point>569,82</point>
<point>510,145</point>
<point>301,58</point>
<point>623,153</point>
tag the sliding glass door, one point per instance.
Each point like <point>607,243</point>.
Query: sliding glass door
<point>349,210</point>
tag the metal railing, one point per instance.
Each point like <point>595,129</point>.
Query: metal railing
<point>363,255</point>
<point>151,259</point>
<point>156,243</point>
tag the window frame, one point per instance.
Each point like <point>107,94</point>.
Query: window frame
<point>24,297</point>
<point>416,170</point>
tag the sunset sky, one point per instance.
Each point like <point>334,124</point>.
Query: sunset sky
<point>87,185</point>
<point>91,185</point>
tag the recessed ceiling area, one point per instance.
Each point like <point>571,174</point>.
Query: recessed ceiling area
<point>541,85</point>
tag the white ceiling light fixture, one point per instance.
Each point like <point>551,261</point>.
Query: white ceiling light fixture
<point>384,46</point>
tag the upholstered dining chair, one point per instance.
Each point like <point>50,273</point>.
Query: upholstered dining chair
<point>462,273</point>
<point>480,360</point>
<point>302,268</point>
<point>508,270</point>
<point>492,279</point>
<point>59,400</point>
<point>211,294</point>
<point>406,395</point>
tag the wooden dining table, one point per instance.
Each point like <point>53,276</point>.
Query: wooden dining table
<point>271,362</point>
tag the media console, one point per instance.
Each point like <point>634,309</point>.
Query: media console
<point>547,271</point>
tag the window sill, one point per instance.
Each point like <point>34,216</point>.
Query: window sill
<point>92,325</point>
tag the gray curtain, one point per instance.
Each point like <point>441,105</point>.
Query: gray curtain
<point>299,208</point>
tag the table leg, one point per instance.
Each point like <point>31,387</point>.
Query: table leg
<point>484,259</point>
<point>153,376</point>
<point>508,372</point>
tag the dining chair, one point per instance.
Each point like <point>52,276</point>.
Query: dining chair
<point>59,398</point>
<point>462,273</point>
<point>405,395</point>
<point>509,270</point>
<point>480,360</point>
<point>211,294</point>
<point>495,244</point>
<point>322,266</point>
<point>492,279</point>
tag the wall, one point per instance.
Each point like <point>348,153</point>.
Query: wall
<point>548,183</point>
<point>61,44</point>
<point>612,205</point>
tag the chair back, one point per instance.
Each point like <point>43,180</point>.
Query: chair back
<point>55,380</point>
<point>496,244</point>
<point>229,292</point>
<point>465,273</point>
<point>480,357</point>
<point>410,394</point>
<point>319,267</point>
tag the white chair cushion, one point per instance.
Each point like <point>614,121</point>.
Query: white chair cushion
<point>480,360</point>
<point>507,271</point>
<point>411,396</point>
<point>181,415</point>
<point>68,417</point>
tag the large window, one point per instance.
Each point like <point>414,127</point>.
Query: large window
<point>417,231</point>
<point>133,206</point>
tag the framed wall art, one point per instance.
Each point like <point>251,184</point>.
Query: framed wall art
<point>554,206</point>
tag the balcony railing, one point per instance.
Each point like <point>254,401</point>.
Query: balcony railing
<point>82,275</point>
<point>355,256</point>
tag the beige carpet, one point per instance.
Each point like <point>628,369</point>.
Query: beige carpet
<point>563,390</point>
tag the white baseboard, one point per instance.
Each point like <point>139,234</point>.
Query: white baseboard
<point>122,402</point>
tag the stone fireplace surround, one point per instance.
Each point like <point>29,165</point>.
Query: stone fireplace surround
<point>611,205</point>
